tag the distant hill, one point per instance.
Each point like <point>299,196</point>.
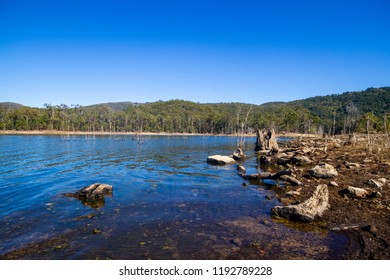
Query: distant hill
<point>10,105</point>
<point>116,106</point>
<point>342,107</point>
<point>336,113</point>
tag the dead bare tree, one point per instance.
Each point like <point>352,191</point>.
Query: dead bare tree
<point>353,117</point>
<point>244,128</point>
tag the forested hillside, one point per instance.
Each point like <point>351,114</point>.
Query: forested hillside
<point>337,113</point>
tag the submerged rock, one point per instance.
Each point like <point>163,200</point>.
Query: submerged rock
<point>220,160</point>
<point>323,170</point>
<point>308,210</point>
<point>94,191</point>
<point>93,195</point>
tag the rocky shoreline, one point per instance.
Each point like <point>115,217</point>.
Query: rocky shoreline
<point>356,189</point>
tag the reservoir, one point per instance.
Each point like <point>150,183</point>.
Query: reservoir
<point>167,202</point>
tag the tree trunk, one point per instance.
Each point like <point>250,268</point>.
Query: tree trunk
<point>266,140</point>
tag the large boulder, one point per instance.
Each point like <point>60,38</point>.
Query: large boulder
<point>323,170</point>
<point>220,160</point>
<point>266,140</point>
<point>308,210</point>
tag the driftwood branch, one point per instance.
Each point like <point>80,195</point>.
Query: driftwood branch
<point>267,175</point>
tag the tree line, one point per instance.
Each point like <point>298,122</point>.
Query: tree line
<point>333,114</point>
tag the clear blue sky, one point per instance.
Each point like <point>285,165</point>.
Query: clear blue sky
<point>88,52</point>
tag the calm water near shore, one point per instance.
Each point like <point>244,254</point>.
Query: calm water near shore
<point>167,203</point>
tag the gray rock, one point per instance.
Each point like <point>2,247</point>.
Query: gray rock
<point>375,183</point>
<point>238,154</point>
<point>292,180</point>
<point>220,160</point>
<point>355,192</point>
<point>308,210</point>
<point>95,191</point>
<point>92,195</point>
<point>300,160</point>
<point>323,170</point>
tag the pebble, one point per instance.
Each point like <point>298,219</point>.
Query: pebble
<point>333,184</point>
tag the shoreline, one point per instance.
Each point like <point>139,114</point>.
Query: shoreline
<point>103,133</point>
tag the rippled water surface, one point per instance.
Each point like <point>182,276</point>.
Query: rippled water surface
<point>167,203</point>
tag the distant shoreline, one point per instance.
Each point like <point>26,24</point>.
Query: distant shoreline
<point>56,132</point>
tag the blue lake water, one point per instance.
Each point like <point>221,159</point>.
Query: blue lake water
<point>167,202</point>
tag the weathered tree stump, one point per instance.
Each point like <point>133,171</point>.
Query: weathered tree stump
<point>266,140</point>
<point>308,210</point>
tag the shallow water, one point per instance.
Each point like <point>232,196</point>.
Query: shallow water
<point>167,203</point>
